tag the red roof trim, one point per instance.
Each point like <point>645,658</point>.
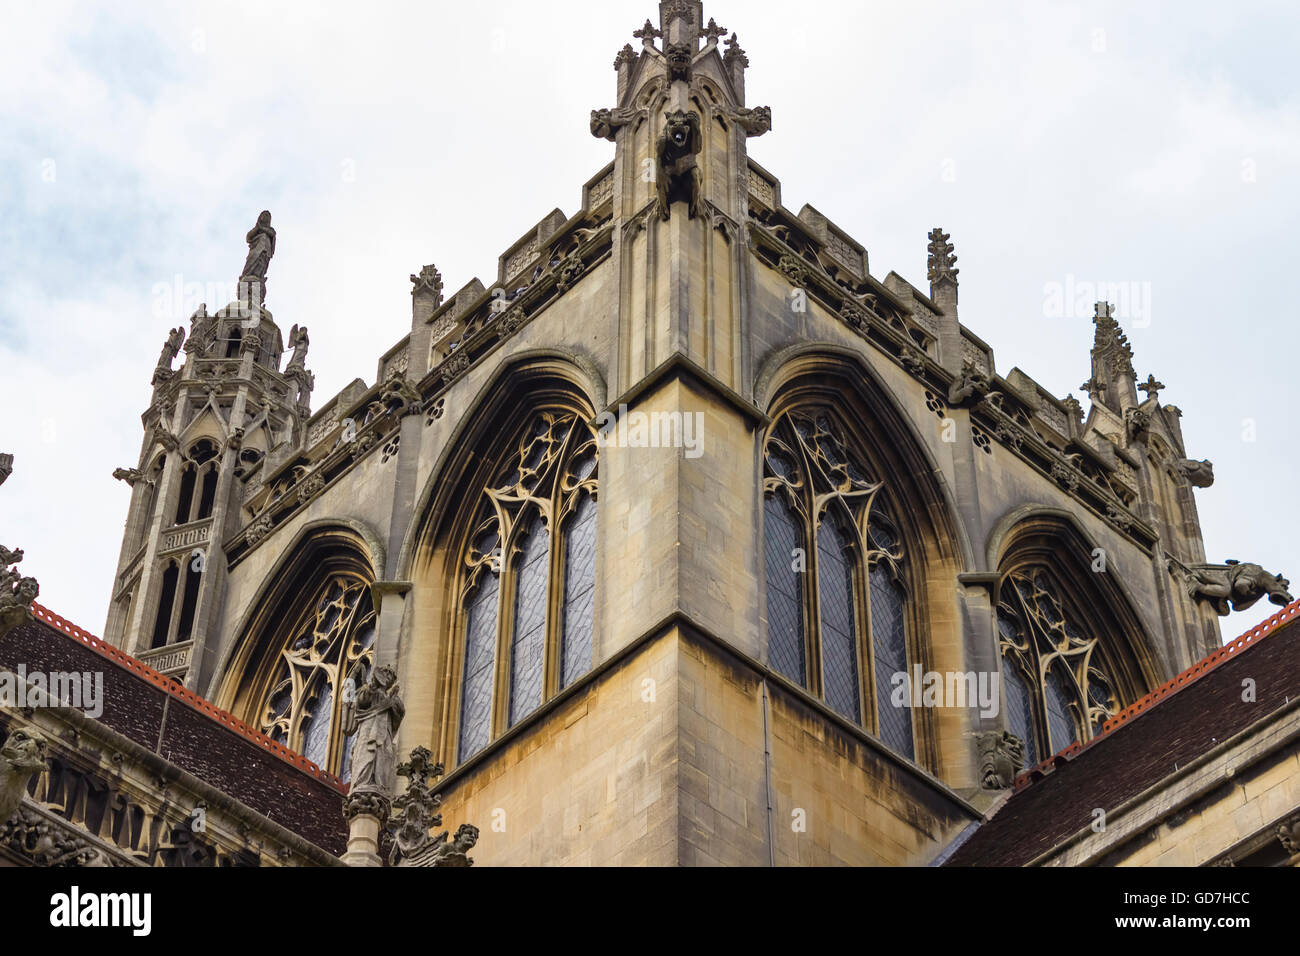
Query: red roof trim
<point>173,687</point>
<point>1189,676</point>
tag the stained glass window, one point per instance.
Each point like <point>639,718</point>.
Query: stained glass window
<point>548,482</point>
<point>834,561</point>
<point>330,641</point>
<point>1054,673</point>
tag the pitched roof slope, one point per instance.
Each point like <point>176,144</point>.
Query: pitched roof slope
<point>1167,729</point>
<point>188,731</point>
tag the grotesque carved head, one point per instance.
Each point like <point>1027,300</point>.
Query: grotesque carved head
<point>682,131</point>
<point>678,56</point>
<point>24,750</point>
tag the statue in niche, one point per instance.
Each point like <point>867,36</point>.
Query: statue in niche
<point>371,718</point>
<point>261,247</point>
<point>678,175</point>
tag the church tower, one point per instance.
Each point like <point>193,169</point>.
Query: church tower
<point>687,538</point>
<point>208,425</point>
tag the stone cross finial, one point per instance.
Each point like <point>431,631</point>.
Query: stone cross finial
<point>429,280</point>
<point>1151,387</point>
<point>626,55</point>
<point>647,34</point>
<point>734,53</point>
<point>712,33</point>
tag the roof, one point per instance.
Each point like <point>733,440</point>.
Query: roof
<point>213,745</point>
<point>1167,729</point>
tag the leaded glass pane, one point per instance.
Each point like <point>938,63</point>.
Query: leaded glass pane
<point>839,651</point>
<point>529,643</point>
<point>1059,720</point>
<point>579,591</point>
<point>480,648</point>
<point>889,642</point>
<point>1019,704</point>
<point>785,639</point>
<point>316,733</point>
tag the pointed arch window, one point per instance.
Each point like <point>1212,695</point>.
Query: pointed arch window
<point>834,565</point>
<point>527,598</point>
<point>328,655</point>
<point>198,487</point>
<point>1056,678</point>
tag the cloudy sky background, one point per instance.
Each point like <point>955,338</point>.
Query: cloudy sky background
<point>1076,143</point>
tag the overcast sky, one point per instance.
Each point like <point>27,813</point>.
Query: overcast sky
<point>1156,148</point>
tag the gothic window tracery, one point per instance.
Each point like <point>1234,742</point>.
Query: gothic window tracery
<point>198,486</point>
<point>528,582</point>
<point>834,561</point>
<point>328,655</point>
<point>1056,679</point>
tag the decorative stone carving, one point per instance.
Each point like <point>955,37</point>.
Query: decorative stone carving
<point>1065,476</point>
<point>6,466</point>
<point>679,178</point>
<point>429,281</point>
<point>362,445</point>
<point>1236,586</point>
<point>941,262</point>
<point>261,247</point>
<point>45,843</point>
<point>605,123</point>
<point>201,325</point>
<point>1137,423</point>
<point>852,314</point>
<point>734,56</point>
<point>259,529</point>
<point>678,57</point>
<point>1002,754</point>
<point>1151,387</point>
<point>129,475</point>
<point>625,56</point>
<point>1119,517</point>
<point>712,33</point>
<point>1288,833</point>
<point>21,758</point>
<point>510,321</point>
<point>647,34</point>
<point>568,272</point>
<point>454,367</point>
<point>367,803</point>
<point>794,269</point>
<point>371,718</point>
<point>309,486</point>
<point>913,359</point>
<point>171,348</point>
<point>400,397</point>
<point>969,388</point>
<point>412,843</point>
<point>1009,434</point>
<point>755,122</point>
<point>16,592</point>
<point>1200,474</point>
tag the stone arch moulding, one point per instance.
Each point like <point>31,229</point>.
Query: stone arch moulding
<point>836,369</point>
<point>533,372</point>
<point>1034,535</point>
<point>239,650</point>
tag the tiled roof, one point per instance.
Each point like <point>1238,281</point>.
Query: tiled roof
<point>208,742</point>
<point>1167,729</point>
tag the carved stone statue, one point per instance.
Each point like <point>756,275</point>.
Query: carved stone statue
<point>678,56</point>
<point>261,247</point>
<point>372,718</point>
<point>455,853</point>
<point>678,174</point>
<point>605,123</point>
<point>21,757</point>
<point>6,466</point>
<point>1002,754</point>
<point>398,395</point>
<point>1200,474</point>
<point>171,348</point>
<point>129,475</point>
<point>1236,586</point>
<point>298,341</point>
<point>16,592</point>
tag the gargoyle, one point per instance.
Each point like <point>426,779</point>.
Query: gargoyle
<point>1236,586</point>
<point>1199,474</point>
<point>678,177</point>
<point>399,396</point>
<point>22,756</point>
<point>678,56</point>
<point>969,388</point>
